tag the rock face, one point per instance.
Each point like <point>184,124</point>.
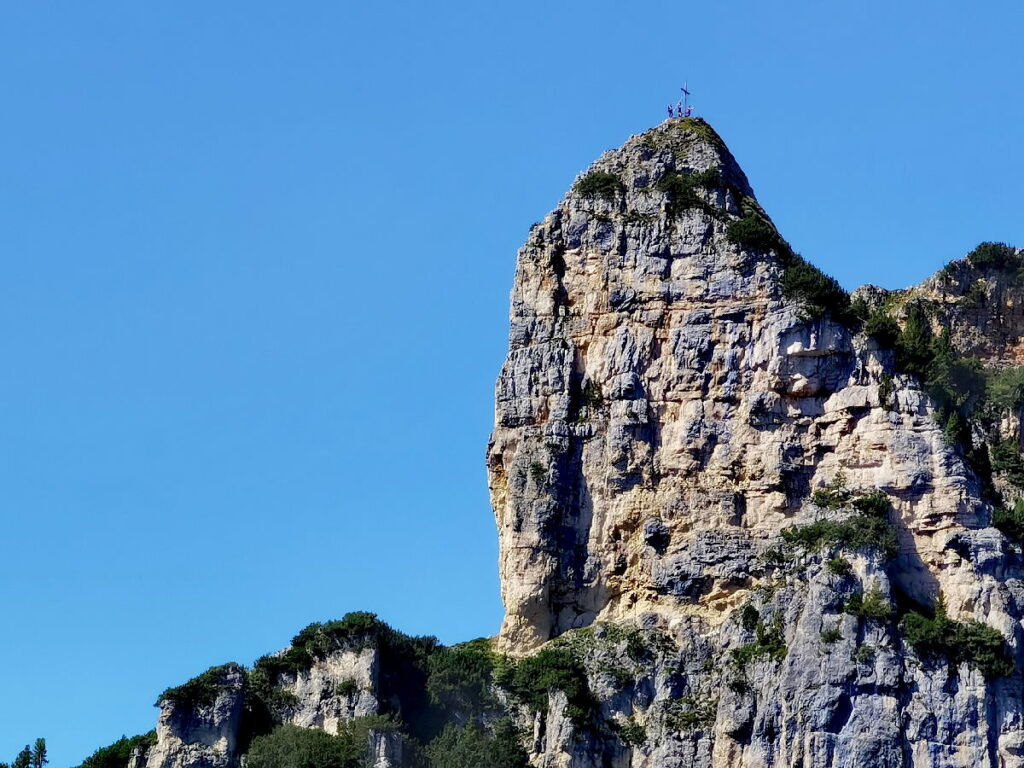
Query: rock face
<point>334,690</point>
<point>664,412</point>
<point>657,381</point>
<point>202,735</point>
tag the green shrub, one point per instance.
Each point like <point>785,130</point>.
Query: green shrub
<point>756,233</point>
<point>119,753</point>
<point>914,345</point>
<point>863,654</point>
<point>631,732</point>
<point>264,694</point>
<point>681,189</point>
<point>958,642</point>
<point>472,746</point>
<point>955,383</point>
<point>292,747</point>
<point>347,688</point>
<point>997,256</point>
<point>835,495</point>
<point>881,327</point>
<point>840,566</point>
<point>975,294</point>
<point>775,557</point>
<point>750,617</point>
<point>868,529</point>
<point>874,503</point>
<point>885,390</point>
<point>831,635</point>
<point>531,680</point>
<point>770,642</point>
<point>592,396</point>
<point>801,281</point>
<point>702,130</point>
<point>817,292</point>
<point>856,533</point>
<point>871,605</point>
<point>459,680</point>
<point>1007,460</point>
<point>602,184</point>
<point>951,380</point>
<point>200,691</point>
<point>1005,388</point>
<point>1010,521</point>
<point>636,648</point>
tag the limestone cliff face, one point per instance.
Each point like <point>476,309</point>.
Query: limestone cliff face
<point>665,412</point>
<point>658,384</point>
<point>201,735</point>
<point>334,690</point>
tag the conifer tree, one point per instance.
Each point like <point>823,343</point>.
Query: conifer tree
<point>39,758</point>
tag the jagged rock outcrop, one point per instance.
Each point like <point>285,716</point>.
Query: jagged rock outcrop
<point>720,407</point>
<point>201,730</point>
<point>333,690</point>
<point>666,410</point>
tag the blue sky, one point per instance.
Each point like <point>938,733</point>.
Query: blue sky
<point>256,260</point>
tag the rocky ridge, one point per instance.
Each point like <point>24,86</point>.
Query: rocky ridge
<point>743,519</point>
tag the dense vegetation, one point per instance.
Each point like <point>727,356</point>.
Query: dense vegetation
<point>292,747</point>
<point>531,679</point>
<point>318,640</point>
<point>460,677</point>
<point>995,256</point>
<point>972,642</point>
<point>119,753</point>
<point>1010,521</point>
<point>472,746</point>
<point>201,690</point>
<point>440,698</point>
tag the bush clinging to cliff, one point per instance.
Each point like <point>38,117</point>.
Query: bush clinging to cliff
<point>958,642</point>
<point>602,184</point>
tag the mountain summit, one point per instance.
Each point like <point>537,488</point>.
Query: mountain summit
<point>745,518</point>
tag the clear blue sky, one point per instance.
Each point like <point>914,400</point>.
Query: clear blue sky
<point>256,259</point>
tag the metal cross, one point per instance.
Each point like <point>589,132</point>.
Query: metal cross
<point>687,109</point>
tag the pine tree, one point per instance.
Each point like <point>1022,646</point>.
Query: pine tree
<point>914,346</point>
<point>24,758</point>
<point>39,758</point>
